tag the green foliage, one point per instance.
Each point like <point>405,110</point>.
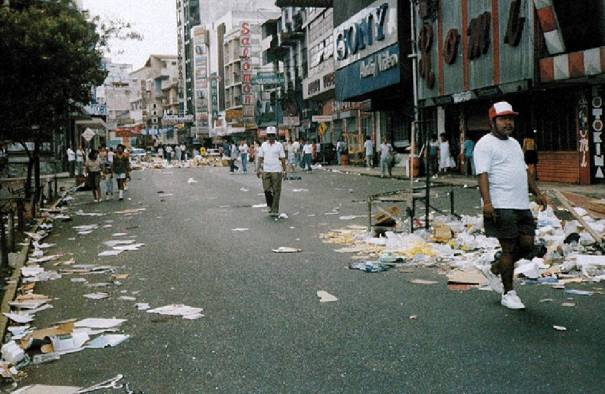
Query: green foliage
<point>51,60</point>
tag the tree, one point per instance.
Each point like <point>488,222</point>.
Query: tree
<point>51,63</point>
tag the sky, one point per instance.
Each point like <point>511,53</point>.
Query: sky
<point>155,19</point>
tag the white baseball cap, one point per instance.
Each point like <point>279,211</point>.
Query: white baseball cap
<point>501,108</point>
<point>271,130</point>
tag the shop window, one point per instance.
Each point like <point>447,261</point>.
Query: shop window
<point>556,123</point>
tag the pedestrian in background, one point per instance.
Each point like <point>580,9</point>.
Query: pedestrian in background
<point>434,155</point>
<point>307,156</point>
<point>93,171</point>
<point>243,151</point>
<point>169,153</point>
<point>386,158</point>
<point>369,151</point>
<point>80,160</point>
<point>469,164</point>
<point>121,169</point>
<point>107,174</point>
<point>233,158</point>
<point>504,184</point>
<point>183,153</point>
<point>291,155</point>
<point>445,157</point>
<point>71,161</point>
<point>296,146</point>
<point>272,168</point>
<point>177,153</point>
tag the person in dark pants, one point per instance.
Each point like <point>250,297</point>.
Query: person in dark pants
<point>272,169</point>
<point>504,185</point>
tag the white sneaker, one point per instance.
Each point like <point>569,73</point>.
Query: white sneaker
<point>512,301</point>
<point>493,280</point>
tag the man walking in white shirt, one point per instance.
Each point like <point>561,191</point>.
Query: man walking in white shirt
<point>272,168</point>
<point>307,156</point>
<point>504,186</point>
<point>369,148</point>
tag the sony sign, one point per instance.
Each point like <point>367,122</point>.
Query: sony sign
<point>370,30</point>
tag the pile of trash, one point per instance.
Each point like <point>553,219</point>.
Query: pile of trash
<point>198,161</point>
<point>569,253</point>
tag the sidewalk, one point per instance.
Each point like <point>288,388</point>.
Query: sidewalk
<point>594,191</point>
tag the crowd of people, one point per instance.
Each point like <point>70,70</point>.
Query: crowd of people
<point>99,168</point>
<point>300,153</point>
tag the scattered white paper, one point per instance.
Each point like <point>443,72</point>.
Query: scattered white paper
<point>130,248</point>
<point>127,298</point>
<point>109,340</point>
<point>142,306</point>
<point>45,389</point>
<point>19,317</point>
<point>96,296</point>
<point>177,310</point>
<point>106,253</point>
<point>191,180</point>
<point>113,243</point>
<point>99,323</point>
<point>63,344</point>
<point>260,206</point>
<point>240,229</point>
<point>560,328</point>
<point>119,234</point>
<point>324,296</point>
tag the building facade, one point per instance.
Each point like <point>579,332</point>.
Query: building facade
<point>545,57</point>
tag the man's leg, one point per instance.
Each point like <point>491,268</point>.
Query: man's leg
<point>267,190</point>
<point>506,264</point>
<point>276,189</point>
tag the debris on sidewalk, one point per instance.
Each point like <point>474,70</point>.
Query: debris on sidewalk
<point>560,328</point>
<point>370,266</point>
<point>96,296</point>
<point>324,296</point>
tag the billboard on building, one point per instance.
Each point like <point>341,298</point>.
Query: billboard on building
<point>201,77</point>
<point>245,42</point>
<point>366,51</point>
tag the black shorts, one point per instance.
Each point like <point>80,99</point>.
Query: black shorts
<point>531,157</point>
<point>510,224</point>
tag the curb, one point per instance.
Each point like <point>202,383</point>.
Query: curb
<point>11,290</point>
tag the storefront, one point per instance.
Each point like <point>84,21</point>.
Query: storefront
<point>372,69</point>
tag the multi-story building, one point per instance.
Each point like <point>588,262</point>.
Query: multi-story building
<point>115,94</point>
<point>187,16</point>
<point>155,94</point>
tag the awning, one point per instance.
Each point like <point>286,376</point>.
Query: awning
<point>573,65</point>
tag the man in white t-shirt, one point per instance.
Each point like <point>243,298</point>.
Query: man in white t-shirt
<point>504,186</point>
<point>296,150</point>
<point>71,161</point>
<point>369,150</point>
<point>386,152</point>
<point>272,168</point>
<point>307,156</point>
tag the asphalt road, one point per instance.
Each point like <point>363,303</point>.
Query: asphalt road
<point>265,329</point>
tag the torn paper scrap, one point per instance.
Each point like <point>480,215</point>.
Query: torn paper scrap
<point>423,282</point>
<point>240,229</point>
<point>324,296</point>
<point>109,340</point>
<point>107,253</point>
<point>560,328</point>
<point>45,389</point>
<point>176,310</point>
<point>142,306</point>
<point>96,296</point>
<point>119,234</point>
<point>19,317</point>
<point>99,323</point>
<point>286,249</point>
<point>191,180</point>
<point>63,344</point>
<point>127,298</point>
<point>117,242</point>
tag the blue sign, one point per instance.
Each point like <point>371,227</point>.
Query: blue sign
<point>376,71</point>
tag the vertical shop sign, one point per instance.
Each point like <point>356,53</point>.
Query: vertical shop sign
<point>245,55</point>
<point>597,129</point>
<point>583,142</point>
<point>200,70</point>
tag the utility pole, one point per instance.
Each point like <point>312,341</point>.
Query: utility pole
<point>414,57</point>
